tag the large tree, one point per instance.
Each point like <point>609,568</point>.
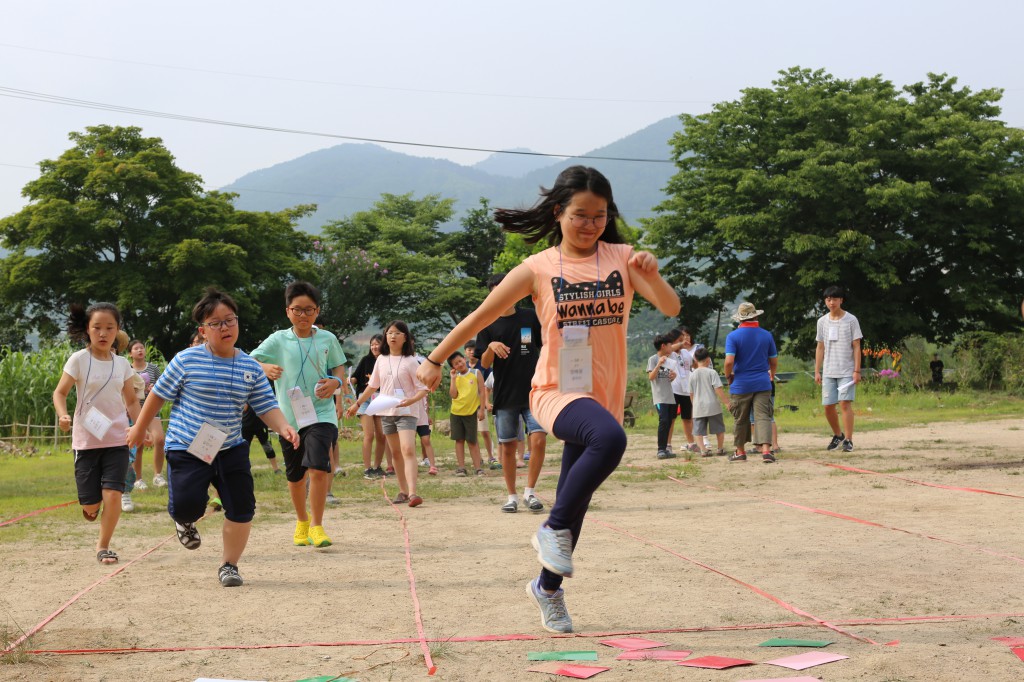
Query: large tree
<point>115,219</point>
<point>912,198</point>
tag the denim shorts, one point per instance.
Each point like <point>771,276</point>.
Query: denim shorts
<point>506,423</point>
<point>830,393</point>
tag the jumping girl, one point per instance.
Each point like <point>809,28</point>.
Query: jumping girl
<point>582,288</point>
<point>102,380</point>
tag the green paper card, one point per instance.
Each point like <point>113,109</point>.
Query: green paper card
<point>794,642</point>
<point>562,656</point>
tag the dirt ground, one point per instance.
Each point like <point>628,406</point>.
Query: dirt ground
<point>716,564</point>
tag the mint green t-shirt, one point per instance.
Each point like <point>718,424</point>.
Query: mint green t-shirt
<point>304,362</point>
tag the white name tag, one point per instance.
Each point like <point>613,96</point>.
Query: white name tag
<point>97,423</point>
<point>833,332</point>
<point>401,411</point>
<point>207,442</point>
<point>302,408</point>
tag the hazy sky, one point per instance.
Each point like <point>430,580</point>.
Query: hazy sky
<point>559,77</point>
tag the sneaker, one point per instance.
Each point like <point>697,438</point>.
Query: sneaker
<point>510,507</point>
<point>415,500</point>
<point>533,504</point>
<point>188,535</point>
<point>461,472</point>
<point>331,500</point>
<point>301,536</point>
<point>847,445</point>
<point>553,615</point>
<point>159,481</point>
<point>369,474</point>
<point>228,575</point>
<point>836,442</point>
<point>767,458</point>
<point>126,502</point>
<point>665,454</point>
<point>738,457</point>
<point>554,549</point>
<point>318,538</point>
<point>141,485</point>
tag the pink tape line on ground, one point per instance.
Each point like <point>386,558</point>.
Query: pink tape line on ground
<point>756,590</point>
<point>514,638</point>
<point>845,517</point>
<point>910,480</point>
<point>431,668</point>
<point>37,511</point>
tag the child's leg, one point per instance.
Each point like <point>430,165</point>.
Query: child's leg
<point>594,443</point>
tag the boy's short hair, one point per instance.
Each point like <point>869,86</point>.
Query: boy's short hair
<point>212,298</point>
<point>701,354</point>
<point>451,358</point>
<point>660,340</point>
<point>834,291</point>
<point>300,288</point>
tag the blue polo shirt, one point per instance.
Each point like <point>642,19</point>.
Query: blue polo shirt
<point>751,348</point>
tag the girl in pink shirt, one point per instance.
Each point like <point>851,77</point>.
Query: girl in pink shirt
<point>582,288</point>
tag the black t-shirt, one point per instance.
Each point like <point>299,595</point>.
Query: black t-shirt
<point>520,331</point>
<point>363,371</point>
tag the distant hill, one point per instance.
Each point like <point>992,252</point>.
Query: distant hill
<point>348,178</point>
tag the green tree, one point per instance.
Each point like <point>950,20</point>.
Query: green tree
<point>912,198</point>
<point>416,275</point>
<point>115,219</point>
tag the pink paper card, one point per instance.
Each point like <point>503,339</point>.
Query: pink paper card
<point>805,678</point>
<point>808,660</point>
<point>632,643</point>
<point>579,672</point>
<point>660,655</point>
<point>715,662</point>
<point>1010,641</point>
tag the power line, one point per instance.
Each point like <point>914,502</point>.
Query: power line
<point>309,81</point>
<point>15,93</point>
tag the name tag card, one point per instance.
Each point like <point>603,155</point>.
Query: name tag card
<point>302,408</point>
<point>207,442</point>
<point>97,423</point>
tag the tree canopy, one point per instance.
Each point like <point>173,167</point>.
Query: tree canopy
<point>115,219</point>
<point>911,198</point>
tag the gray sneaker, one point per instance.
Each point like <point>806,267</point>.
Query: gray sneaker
<point>510,507</point>
<point>554,549</point>
<point>533,504</point>
<point>229,576</point>
<point>553,615</point>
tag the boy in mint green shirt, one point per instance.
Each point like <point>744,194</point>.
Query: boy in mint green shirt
<point>307,367</point>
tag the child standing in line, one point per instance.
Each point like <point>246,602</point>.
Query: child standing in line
<point>102,381</point>
<point>394,374</point>
<point>467,392</point>
<point>209,385</point>
<point>662,370</point>
<point>306,365</point>
<point>708,398</point>
<point>582,288</point>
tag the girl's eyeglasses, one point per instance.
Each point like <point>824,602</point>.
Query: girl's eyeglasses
<point>228,323</point>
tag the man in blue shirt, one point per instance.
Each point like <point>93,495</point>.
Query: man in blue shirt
<point>750,362</point>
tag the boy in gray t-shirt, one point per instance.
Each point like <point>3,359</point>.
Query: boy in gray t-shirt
<point>662,370</point>
<point>708,398</point>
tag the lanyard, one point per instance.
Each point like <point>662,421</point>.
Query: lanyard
<point>85,384</point>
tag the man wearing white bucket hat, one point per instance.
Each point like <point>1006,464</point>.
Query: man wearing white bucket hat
<point>750,361</point>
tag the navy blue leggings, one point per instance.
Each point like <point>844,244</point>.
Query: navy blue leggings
<point>594,443</point>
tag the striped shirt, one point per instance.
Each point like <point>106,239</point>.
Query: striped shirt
<point>206,388</point>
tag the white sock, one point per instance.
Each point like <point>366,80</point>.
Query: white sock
<point>527,492</point>
<point>513,498</point>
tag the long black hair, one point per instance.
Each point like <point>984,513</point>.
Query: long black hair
<point>542,220</point>
<point>79,316</point>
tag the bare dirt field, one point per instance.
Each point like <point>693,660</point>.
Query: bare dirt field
<point>725,557</point>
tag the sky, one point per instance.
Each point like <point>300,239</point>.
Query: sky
<point>556,77</point>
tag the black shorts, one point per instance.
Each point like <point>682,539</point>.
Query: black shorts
<point>685,406</point>
<point>315,443</point>
<point>189,479</point>
<point>98,469</point>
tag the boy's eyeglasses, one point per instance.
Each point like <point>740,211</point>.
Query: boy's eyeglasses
<point>228,323</point>
<point>579,221</point>
<point>302,312</point>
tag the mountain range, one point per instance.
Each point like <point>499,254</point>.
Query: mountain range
<point>348,178</point>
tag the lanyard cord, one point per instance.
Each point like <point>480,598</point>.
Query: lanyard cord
<point>85,385</point>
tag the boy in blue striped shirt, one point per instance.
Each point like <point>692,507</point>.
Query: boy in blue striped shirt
<point>209,385</point>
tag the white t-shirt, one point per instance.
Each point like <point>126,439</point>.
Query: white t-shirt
<point>99,384</point>
<point>838,337</point>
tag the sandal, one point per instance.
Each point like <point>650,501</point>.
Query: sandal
<point>433,471</point>
<point>401,498</point>
<point>90,517</point>
<point>106,557</point>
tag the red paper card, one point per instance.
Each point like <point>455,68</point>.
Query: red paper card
<point>579,672</point>
<point>632,643</point>
<point>660,655</point>
<point>715,662</point>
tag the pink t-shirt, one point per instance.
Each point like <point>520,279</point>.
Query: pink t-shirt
<point>595,292</point>
<point>392,372</point>
<point>99,384</point>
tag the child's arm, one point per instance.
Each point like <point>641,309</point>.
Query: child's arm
<point>643,273</point>
<point>60,401</point>
<point>137,433</point>
<point>275,420</point>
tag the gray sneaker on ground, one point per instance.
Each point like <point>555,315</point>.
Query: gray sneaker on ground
<point>554,549</point>
<point>553,615</point>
